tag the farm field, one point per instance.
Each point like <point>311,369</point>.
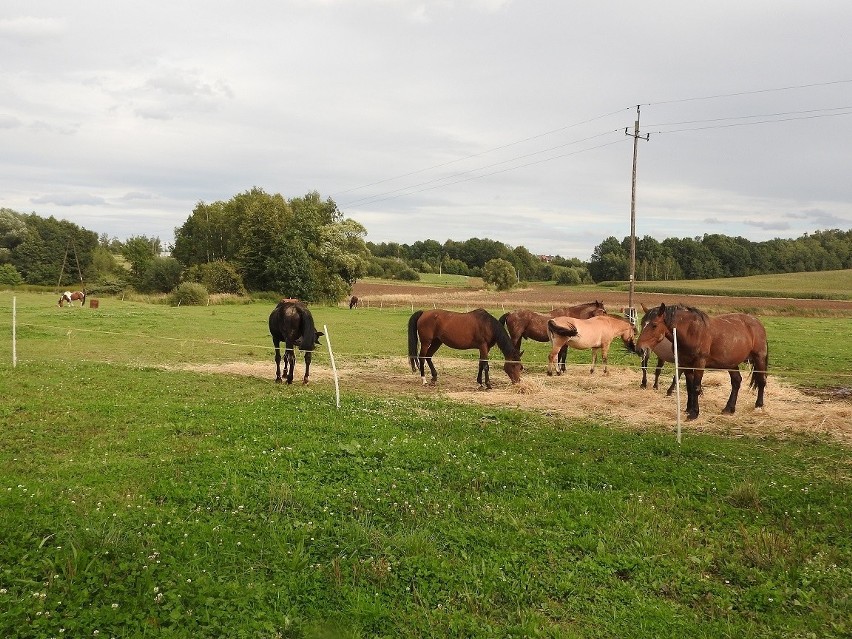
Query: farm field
<point>155,482</point>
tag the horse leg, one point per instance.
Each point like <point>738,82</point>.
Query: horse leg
<point>736,381</point>
<point>644,382</point>
<point>605,357</point>
<point>308,357</point>
<point>552,362</point>
<point>426,352</point>
<point>594,360</point>
<point>277,360</point>
<point>562,359</point>
<point>657,372</point>
<point>483,369</point>
<point>693,390</point>
<point>289,361</point>
<point>758,379</point>
<point>673,384</point>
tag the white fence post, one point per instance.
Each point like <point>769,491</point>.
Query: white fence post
<point>677,380</point>
<point>14,328</point>
<point>333,366</point>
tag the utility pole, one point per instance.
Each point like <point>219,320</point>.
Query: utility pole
<point>631,312</point>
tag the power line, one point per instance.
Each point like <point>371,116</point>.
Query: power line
<point>481,153</point>
<point>378,196</point>
<point>761,115</point>
<point>737,124</point>
<point>756,91</point>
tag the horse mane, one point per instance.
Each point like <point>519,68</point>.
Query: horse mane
<point>309,331</point>
<point>673,309</point>
<point>504,342</point>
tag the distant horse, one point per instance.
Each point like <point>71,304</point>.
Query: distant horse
<point>722,342</point>
<point>70,298</point>
<point>292,323</point>
<point>664,350</point>
<point>595,333</point>
<point>353,302</point>
<point>526,323</point>
<point>476,329</point>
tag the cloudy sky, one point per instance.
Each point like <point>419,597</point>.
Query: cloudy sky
<point>441,119</point>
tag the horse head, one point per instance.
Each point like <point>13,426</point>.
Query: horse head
<point>655,328</point>
<point>513,366</point>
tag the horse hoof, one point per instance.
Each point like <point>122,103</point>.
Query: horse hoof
<point>550,373</point>
<point>279,380</point>
<point>727,411</point>
<point>304,382</point>
<point>691,416</point>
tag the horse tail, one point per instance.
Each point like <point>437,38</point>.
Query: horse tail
<point>757,376</point>
<point>565,331</point>
<point>413,339</point>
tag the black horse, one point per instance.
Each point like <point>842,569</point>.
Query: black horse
<point>292,323</point>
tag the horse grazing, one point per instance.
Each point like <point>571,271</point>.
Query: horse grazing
<point>476,329</point>
<point>70,298</point>
<point>526,323</point>
<point>664,350</point>
<point>721,342</point>
<point>353,302</point>
<point>595,333</point>
<point>292,323</point>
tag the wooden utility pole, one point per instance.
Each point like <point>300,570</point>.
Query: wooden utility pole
<point>631,311</point>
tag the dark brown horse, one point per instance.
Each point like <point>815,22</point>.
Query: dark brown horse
<point>526,323</point>
<point>476,329</point>
<point>353,302</point>
<point>703,342</point>
<point>292,323</point>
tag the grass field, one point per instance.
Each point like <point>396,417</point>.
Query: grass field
<point>822,284</point>
<point>141,501</point>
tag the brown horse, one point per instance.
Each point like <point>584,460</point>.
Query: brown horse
<point>476,329</point>
<point>722,342</point>
<point>292,323</point>
<point>70,298</point>
<point>353,302</point>
<point>664,350</point>
<point>526,323</point>
<point>595,333</point>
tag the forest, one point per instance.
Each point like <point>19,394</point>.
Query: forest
<point>304,247</point>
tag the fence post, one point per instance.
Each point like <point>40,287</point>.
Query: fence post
<point>677,380</point>
<point>333,366</point>
<point>14,334</point>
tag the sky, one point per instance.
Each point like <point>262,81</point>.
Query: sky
<point>511,120</point>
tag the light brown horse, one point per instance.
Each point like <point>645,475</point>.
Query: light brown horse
<point>476,329</point>
<point>703,342</point>
<point>595,333</point>
<point>526,323</point>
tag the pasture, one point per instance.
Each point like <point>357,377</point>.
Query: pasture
<point>150,487</point>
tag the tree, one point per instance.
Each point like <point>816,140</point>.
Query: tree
<point>499,273</point>
<point>609,261</point>
<point>139,251</point>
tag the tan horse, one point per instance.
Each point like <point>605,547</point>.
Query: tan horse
<point>526,323</point>
<point>595,333</point>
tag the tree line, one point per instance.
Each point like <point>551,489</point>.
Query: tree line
<point>304,247</point>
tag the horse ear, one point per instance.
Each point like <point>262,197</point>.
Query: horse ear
<point>662,307</point>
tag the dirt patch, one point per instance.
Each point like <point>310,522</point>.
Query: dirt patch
<point>546,298</point>
<point>614,400</point>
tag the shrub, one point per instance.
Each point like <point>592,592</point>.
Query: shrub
<point>568,277</point>
<point>188,294</point>
<point>499,273</point>
<point>408,274</point>
<point>9,275</point>
<point>107,287</point>
<point>217,277</point>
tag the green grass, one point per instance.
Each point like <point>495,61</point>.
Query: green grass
<point>818,285</point>
<point>139,501</point>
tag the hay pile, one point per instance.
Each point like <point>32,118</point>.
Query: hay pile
<point>615,399</point>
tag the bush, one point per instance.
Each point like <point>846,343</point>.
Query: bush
<point>9,275</point>
<point>107,287</point>
<point>188,294</point>
<point>217,277</point>
<point>499,273</point>
<point>408,274</point>
<point>568,277</point>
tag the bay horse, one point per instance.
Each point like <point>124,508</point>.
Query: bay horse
<point>526,323</point>
<point>70,297</point>
<point>664,350</point>
<point>353,302</point>
<point>722,342</point>
<point>476,329</point>
<point>594,333</point>
<point>292,323</point>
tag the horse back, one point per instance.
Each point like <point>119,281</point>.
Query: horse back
<point>736,338</point>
